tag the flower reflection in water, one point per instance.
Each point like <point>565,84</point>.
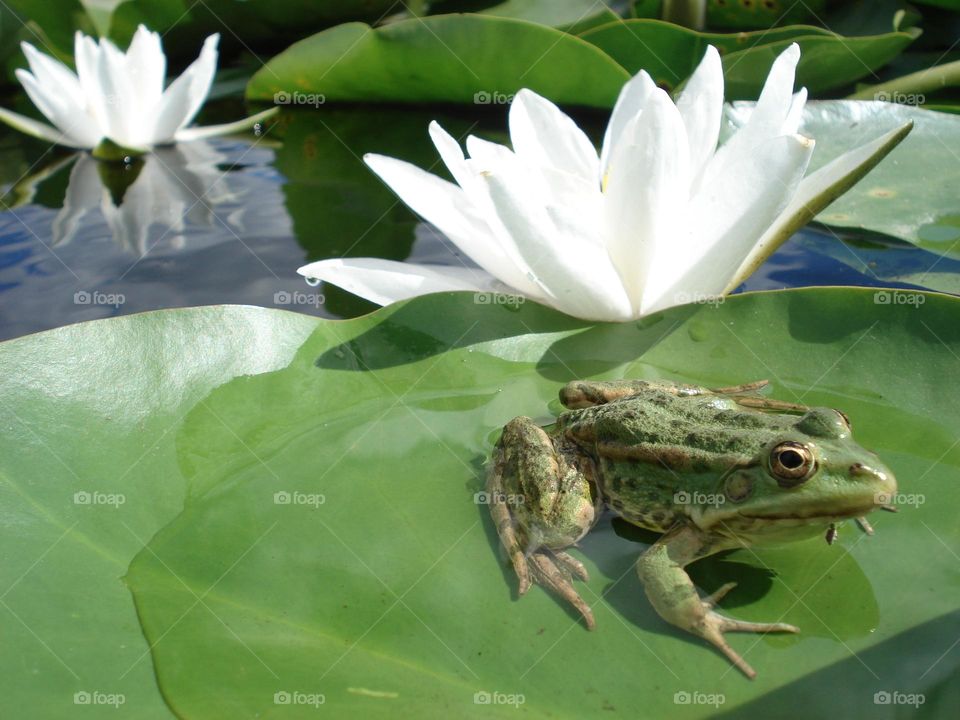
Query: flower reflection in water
<point>154,199</point>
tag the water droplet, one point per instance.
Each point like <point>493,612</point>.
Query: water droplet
<point>258,129</point>
<point>312,281</point>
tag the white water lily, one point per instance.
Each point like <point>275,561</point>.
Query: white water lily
<point>118,97</point>
<point>660,217</point>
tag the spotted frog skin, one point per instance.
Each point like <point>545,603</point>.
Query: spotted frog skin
<point>712,470</point>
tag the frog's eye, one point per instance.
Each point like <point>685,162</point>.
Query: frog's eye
<point>791,463</point>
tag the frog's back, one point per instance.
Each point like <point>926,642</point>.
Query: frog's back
<point>658,453</point>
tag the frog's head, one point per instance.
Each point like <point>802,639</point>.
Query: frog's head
<point>808,474</point>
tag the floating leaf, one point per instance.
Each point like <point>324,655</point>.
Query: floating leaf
<point>299,520</point>
<point>912,193</point>
<point>670,53</point>
<point>442,58</point>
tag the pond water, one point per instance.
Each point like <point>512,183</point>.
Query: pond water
<point>230,220</point>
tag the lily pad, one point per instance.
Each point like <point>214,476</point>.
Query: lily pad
<point>442,58</point>
<point>243,24</point>
<point>567,15</point>
<point>911,194</point>
<point>300,526</point>
<point>670,53</point>
<point>79,503</point>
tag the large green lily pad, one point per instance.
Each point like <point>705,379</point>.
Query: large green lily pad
<point>298,515</point>
<point>567,15</point>
<point>442,58</point>
<point>912,193</point>
<point>670,53</point>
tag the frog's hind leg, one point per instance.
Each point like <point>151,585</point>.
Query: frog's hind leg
<point>541,501</point>
<point>505,524</point>
<point>586,393</point>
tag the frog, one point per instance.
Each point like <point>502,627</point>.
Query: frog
<point>711,470</point>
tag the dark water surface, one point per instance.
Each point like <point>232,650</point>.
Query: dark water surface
<point>230,220</point>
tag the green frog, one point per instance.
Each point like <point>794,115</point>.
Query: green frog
<point>711,469</point>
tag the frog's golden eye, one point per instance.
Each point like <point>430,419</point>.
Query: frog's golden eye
<point>791,463</point>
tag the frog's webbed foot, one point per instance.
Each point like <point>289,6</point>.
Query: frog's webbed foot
<point>553,570</point>
<point>712,625</point>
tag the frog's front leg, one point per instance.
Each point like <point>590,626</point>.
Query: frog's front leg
<point>541,501</point>
<point>674,596</point>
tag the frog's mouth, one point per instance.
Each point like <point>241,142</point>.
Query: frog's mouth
<point>832,516</point>
<point>826,515</point>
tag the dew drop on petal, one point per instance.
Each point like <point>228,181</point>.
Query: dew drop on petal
<point>312,281</point>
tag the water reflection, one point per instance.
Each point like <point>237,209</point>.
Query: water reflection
<point>201,223</point>
<point>152,200</point>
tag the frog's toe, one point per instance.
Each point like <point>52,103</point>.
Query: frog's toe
<point>718,595</point>
<point>546,573</point>
<point>574,566</point>
<point>730,625</point>
<point>714,625</point>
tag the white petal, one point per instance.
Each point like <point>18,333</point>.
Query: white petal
<point>631,101</point>
<point>123,124</point>
<point>775,100</point>
<point>182,100</point>
<point>514,271</point>
<point>647,187</point>
<point>795,114</point>
<point>701,107</point>
<point>451,154</point>
<point>486,154</point>
<point>728,218</point>
<point>31,127</point>
<point>577,276</point>
<point>814,193</point>
<point>208,131</point>
<point>768,119</point>
<point>86,55</point>
<point>447,207</point>
<point>147,67</point>
<point>544,135</point>
<point>387,281</point>
<point>78,130</point>
<point>52,73</point>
